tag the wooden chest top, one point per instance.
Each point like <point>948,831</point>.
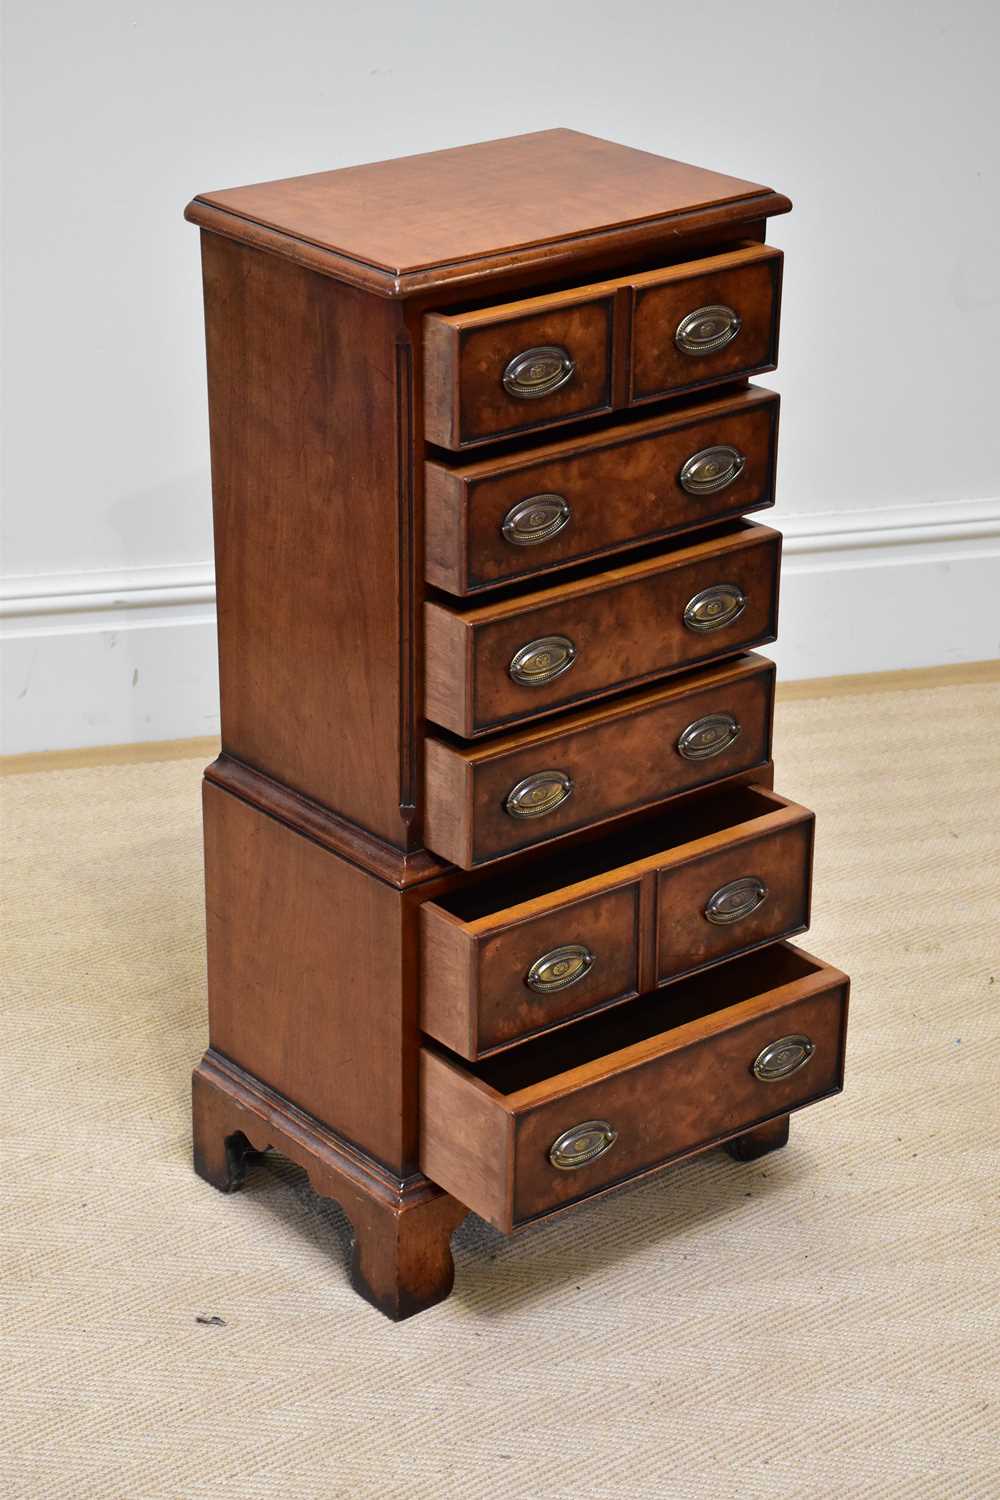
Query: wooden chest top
<point>401,225</point>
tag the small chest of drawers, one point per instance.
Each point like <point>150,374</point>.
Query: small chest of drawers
<point>500,890</point>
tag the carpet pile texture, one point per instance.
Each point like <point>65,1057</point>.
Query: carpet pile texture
<point>821,1324</point>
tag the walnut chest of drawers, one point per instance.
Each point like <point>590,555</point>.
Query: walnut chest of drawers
<point>499,886</point>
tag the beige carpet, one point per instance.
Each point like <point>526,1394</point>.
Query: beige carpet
<point>819,1324</point>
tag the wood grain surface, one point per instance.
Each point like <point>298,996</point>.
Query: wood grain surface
<point>462,210</point>
<point>626,624</point>
<point>636,899</point>
<point>621,483</point>
<point>620,756</point>
<point>671,1073</point>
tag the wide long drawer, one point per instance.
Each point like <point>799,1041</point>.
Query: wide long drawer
<point>566,1117</point>
<point>511,368</point>
<point>499,663</point>
<point>532,949</point>
<point>493,521</point>
<point>491,797</point>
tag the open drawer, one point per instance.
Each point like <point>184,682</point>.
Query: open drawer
<point>568,1116</point>
<point>603,921</point>
<point>515,791</point>
<point>513,659</point>
<point>493,521</point>
<point>512,368</point>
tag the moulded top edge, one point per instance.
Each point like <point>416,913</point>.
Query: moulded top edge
<point>413,224</point>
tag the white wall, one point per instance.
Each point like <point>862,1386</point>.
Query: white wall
<point>880,120</point>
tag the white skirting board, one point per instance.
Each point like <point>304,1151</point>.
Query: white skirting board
<point>123,657</point>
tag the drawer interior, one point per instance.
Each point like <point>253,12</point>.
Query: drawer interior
<point>656,834</point>
<point>669,1073</point>
<point>715,992</point>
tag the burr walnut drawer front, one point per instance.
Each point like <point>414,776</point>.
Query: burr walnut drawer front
<point>706,321</point>
<point>531,949</point>
<point>504,370</point>
<point>499,663</point>
<point>509,792</point>
<point>509,369</point>
<point>566,1117</point>
<point>493,521</point>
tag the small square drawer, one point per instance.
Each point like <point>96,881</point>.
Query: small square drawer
<point>506,370</point>
<point>500,663</point>
<point>493,521</point>
<point>492,797</point>
<point>533,948</point>
<point>568,1116</point>
<point>706,321</point>
<point>513,368</point>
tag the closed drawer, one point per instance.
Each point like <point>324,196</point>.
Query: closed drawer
<point>489,798</point>
<point>532,949</point>
<point>496,520</point>
<point>696,324</point>
<point>514,368</point>
<point>627,1091</point>
<point>499,663</point>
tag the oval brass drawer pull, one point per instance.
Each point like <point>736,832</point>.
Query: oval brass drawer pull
<point>582,1144</point>
<point>715,607</point>
<point>782,1058</point>
<point>535,520</point>
<point>559,968</point>
<point>538,372</point>
<point>712,469</point>
<point>542,661</point>
<point>538,794</point>
<point>708,736</point>
<point>735,900</point>
<point>707,329</point>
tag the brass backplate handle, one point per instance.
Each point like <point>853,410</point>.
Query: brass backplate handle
<point>712,469</point>
<point>538,372</point>
<point>714,607</point>
<point>782,1058</point>
<point>582,1144</point>
<point>559,968</point>
<point>535,520</point>
<point>706,330</point>
<point>708,736</point>
<point>538,794</point>
<point>542,661</point>
<point>735,900</point>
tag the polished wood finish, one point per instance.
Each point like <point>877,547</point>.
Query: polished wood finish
<point>626,623</point>
<point>466,353</point>
<point>401,1227</point>
<point>671,1073</point>
<point>399,868</point>
<point>308,395</point>
<point>776,848</point>
<point>287,978</point>
<point>448,219</point>
<point>474,995</point>
<point>620,756</point>
<point>635,898</point>
<point>465,356</point>
<point>622,485</point>
<point>748,281</point>
<point>374,915</point>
